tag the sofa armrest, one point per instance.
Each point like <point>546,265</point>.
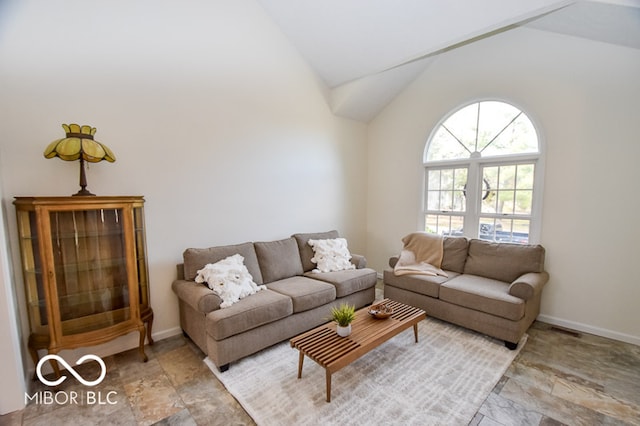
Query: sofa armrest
<point>198,296</point>
<point>528,285</point>
<point>393,260</point>
<point>359,260</point>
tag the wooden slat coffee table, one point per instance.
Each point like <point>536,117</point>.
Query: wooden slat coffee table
<point>324,346</point>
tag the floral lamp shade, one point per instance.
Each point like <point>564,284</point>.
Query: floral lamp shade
<point>79,144</point>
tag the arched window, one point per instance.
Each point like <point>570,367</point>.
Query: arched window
<point>483,174</point>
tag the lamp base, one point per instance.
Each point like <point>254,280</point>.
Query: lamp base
<point>83,193</point>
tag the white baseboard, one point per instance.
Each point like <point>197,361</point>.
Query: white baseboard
<point>586,328</point>
<point>165,334</point>
<point>379,275</point>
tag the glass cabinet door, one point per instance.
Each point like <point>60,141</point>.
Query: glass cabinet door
<point>32,271</point>
<point>90,264</point>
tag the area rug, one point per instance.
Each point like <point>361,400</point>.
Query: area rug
<point>441,380</point>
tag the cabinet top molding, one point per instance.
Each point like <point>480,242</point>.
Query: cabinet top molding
<point>71,200</point>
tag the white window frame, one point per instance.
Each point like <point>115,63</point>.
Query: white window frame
<point>475,166</point>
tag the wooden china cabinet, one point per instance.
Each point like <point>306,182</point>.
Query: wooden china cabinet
<point>84,264</point>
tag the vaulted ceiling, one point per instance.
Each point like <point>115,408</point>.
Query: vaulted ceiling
<point>367,51</point>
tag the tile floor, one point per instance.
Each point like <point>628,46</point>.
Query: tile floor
<point>558,378</point>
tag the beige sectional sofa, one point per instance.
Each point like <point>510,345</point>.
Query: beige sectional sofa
<point>296,298</point>
<point>492,288</point>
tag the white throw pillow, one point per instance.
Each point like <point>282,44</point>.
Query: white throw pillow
<point>230,279</point>
<point>331,255</point>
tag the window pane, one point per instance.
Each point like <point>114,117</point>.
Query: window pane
<point>433,200</point>
<point>504,230</point>
<point>446,179</point>
<point>434,179</point>
<point>519,138</point>
<point>505,202</point>
<point>507,196</point>
<point>494,118</point>
<point>488,229</point>
<point>525,176</point>
<point>446,202</point>
<point>524,200</point>
<point>444,146</point>
<point>515,231</point>
<point>513,131</point>
<point>520,231</point>
<point>444,224</point>
<point>460,179</point>
<point>507,177</point>
<point>463,125</point>
<point>459,182</point>
<point>445,189</point>
<point>491,175</point>
<point>491,128</point>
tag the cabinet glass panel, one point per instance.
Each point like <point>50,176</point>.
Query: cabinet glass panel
<point>32,270</point>
<point>89,259</point>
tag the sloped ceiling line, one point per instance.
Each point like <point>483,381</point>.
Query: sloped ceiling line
<point>368,51</point>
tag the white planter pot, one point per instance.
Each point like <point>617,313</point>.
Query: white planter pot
<point>344,331</point>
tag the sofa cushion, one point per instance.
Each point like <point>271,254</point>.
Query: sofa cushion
<point>503,261</point>
<point>455,254</point>
<point>304,292</point>
<point>349,281</point>
<point>278,259</point>
<point>484,295</point>
<point>258,309</point>
<point>306,252</point>
<point>428,285</point>
<point>197,258</point>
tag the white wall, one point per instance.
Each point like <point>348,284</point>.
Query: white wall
<point>585,97</point>
<point>11,357</point>
<point>213,116</point>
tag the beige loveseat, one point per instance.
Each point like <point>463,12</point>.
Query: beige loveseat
<point>492,288</point>
<point>296,298</point>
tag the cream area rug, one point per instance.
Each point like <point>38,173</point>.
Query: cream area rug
<point>441,380</point>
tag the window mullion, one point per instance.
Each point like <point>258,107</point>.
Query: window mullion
<point>472,210</point>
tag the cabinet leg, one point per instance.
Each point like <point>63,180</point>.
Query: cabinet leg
<point>35,358</point>
<point>39,341</point>
<point>149,325</point>
<point>141,345</point>
<point>56,368</point>
<point>147,318</point>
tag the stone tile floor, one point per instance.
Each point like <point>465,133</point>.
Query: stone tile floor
<point>558,378</point>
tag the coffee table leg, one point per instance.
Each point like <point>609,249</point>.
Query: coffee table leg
<point>328,385</point>
<point>300,361</point>
<point>415,331</point>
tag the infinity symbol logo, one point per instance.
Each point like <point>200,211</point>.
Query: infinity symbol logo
<point>71,370</point>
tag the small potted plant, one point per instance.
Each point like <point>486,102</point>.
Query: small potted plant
<point>343,315</point>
